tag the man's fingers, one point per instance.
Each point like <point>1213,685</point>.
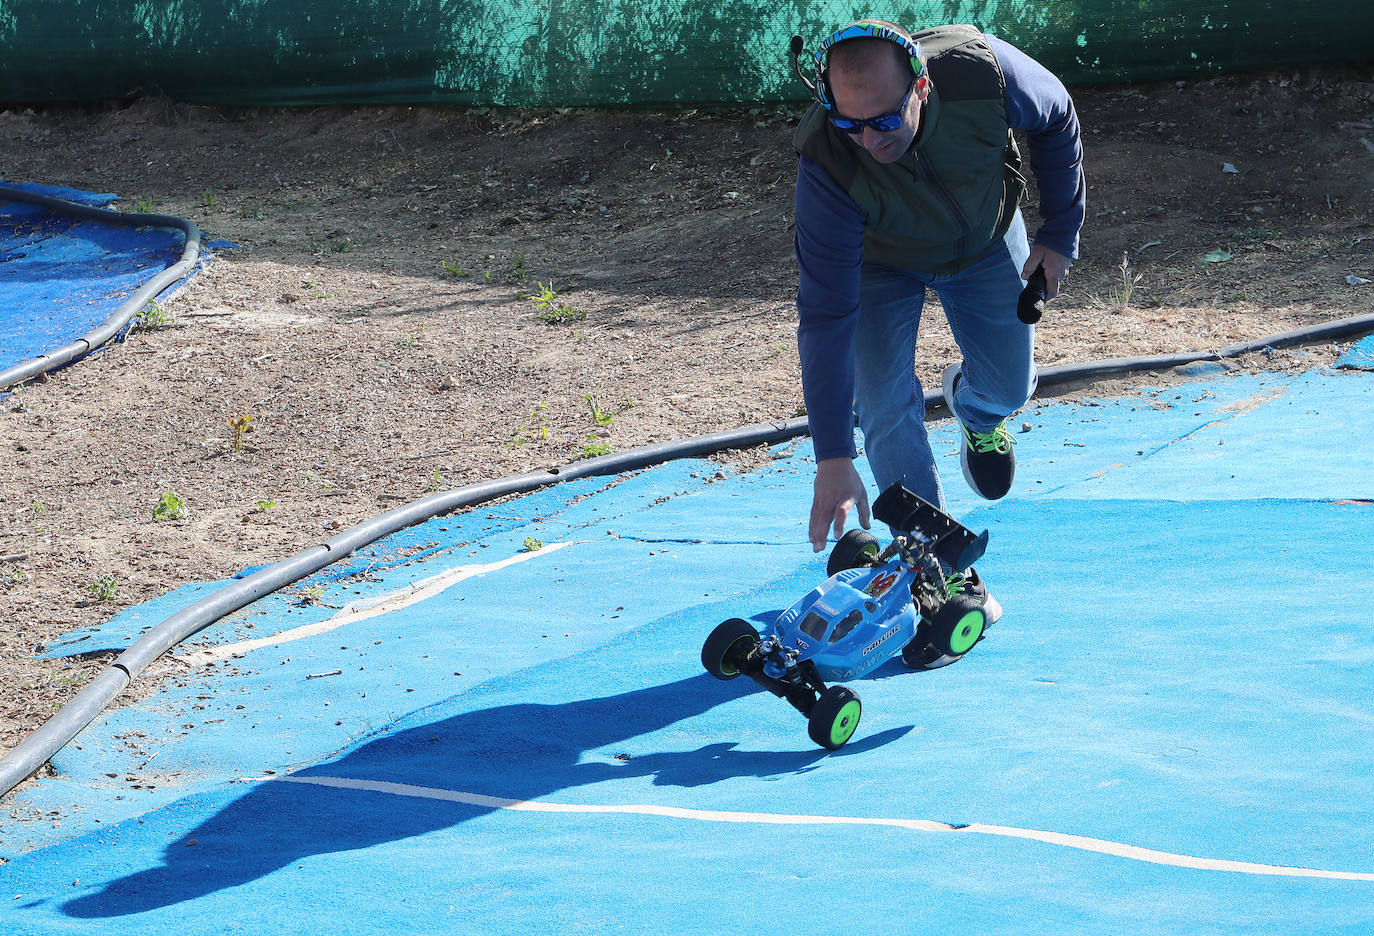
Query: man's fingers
<point>1037,256</point>
<point>841,515</point>
<point>822,521</point>
<point>819,522</point>
<point>1056,266</point>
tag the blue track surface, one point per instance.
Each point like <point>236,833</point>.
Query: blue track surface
<point>1169,731</point>
<point>64,276</point>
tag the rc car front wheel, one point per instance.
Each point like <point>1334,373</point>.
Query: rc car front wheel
<point>834,717</point>
<point>727,647</point>
<point>958,625</point>
<point>857,549</point>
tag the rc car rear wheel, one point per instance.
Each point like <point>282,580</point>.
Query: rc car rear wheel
<point>834,717</point>
<point>727,647</point>
<point>857,549</point>
<point>958,625</point>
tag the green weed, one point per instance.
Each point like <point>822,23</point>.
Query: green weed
<point>104,588</point>
<point>599,416</point>
<point>552,310</point>
<point>532,544</point>
<point>153,316</point>
<point>532,427</point>
<point>207,199</point>
<point>455,269</point>
<point>169,507</point>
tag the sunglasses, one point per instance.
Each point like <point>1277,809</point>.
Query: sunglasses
<point>883,124</point>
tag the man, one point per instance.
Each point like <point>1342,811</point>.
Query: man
<point>909,180</point>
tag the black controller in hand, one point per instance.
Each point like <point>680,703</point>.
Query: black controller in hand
<point>1031,305</point>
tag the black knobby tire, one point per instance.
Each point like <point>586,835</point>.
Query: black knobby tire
<point>834,717</point>
<point>857,549</point>
<point>727,647</point>
<point>958,625</point>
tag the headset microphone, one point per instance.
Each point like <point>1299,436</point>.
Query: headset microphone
<point>797,47</point>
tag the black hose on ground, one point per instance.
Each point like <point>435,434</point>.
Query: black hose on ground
<point>190,255</point>
<point>49,738</point>
<point>40,746</point>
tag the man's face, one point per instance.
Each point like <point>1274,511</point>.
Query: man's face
<point>875,90</point>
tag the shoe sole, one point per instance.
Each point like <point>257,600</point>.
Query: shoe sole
<point>992,613</point>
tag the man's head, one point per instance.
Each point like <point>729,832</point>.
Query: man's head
<point>872,78</point>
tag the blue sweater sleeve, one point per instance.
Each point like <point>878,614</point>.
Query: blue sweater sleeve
<point>1038,103</point>
<point>829,244</point>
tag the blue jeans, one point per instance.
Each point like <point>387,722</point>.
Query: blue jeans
<point>998,370</point>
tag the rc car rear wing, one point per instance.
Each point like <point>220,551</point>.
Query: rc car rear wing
<point>951,542</point>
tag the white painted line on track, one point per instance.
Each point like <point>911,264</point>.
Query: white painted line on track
<point>365,608</point>
<point>1080,842</point>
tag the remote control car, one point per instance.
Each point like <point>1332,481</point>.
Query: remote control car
<point>874,604</point>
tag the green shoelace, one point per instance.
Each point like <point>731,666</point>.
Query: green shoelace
<point>999,440</point>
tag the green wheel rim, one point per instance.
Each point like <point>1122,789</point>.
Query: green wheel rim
<point>966,632</point>
<point>842,728</point>
<point>728,656</point>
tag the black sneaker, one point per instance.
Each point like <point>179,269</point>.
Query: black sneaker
<point>987,458</point>
<point>920,654</point>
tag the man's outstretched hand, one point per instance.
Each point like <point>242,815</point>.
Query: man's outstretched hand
<point>838,490</point>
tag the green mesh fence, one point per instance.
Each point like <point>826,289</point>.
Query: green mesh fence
<point>603,52</point>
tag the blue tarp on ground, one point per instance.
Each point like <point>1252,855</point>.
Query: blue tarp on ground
<point>64,276</point>
<point>1168,732</point>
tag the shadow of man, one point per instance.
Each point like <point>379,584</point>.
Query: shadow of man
<point>518,751</point>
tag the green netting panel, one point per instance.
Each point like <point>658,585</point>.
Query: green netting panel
<point>602,52</point>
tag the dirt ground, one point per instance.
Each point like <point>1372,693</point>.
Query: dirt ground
<point>418,299</point>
